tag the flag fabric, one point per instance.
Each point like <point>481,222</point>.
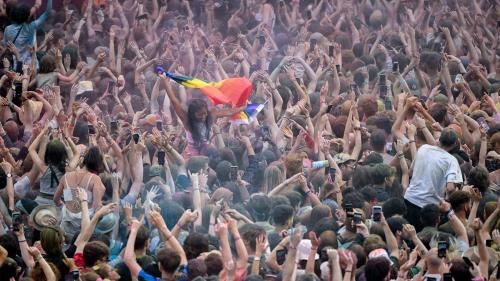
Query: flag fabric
<point>246,116</point>
<point>232,91</point>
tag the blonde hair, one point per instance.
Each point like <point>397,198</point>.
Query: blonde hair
<point>272,178</point>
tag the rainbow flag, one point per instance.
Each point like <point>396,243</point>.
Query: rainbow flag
<point>233,91</point>
<point>246,116</point>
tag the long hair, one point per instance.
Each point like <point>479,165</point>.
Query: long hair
<point>93,160</point>
<point>272,178</point>
<point>56,155</point>
<point>194,106</point>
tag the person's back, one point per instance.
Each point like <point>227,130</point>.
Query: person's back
<point>432,170</point>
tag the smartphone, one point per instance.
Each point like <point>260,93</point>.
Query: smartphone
<point>262,40</point>
<point>313,43</point>
<point>430,279</point>
<point>395,66</point>
<point>337,66</point>
<point>281,256</point>
<point>332,172</point>
<point>298,80</point>
<point>357,218</point>
<point>348,209</point>
<point>330,50</point>
<point>330,108</point>
<point>381,79</point>
<point>388,104</point>
<point>468,262</point>
<point>135,137</point>
<point>489,242</point>
<point>483,124</point>
<point>498,271</point>
<point>159,125</point>
<point>91,129</point>
<point>431,20</point>
<point>309,14</point>
<point>16,221</point>
<point>447,277</point>
<point>113,126</point>
<point>161,157</point>
<point>354,88</point>
<point>233,173</point>
<point>377,213</point>
<point>442,247</point>
<point>76,275</point>
<point>383,91</point>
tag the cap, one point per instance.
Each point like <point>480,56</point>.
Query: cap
<point>341,158</point>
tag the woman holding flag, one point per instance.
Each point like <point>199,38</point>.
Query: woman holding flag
<point>197,119</point>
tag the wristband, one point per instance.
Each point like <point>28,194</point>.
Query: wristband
<point>256,259</point>
<point>21,241</point>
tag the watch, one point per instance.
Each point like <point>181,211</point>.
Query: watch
<point>9,175</point>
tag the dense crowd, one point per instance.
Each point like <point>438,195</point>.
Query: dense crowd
<point>372,152</point>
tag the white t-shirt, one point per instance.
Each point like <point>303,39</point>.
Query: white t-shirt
<point>433,168</point>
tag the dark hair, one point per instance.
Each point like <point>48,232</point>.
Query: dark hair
<point>394,206</point>
<point>295,198</point>
<point>460,270</point>
<point>279,200</point>
<point>3,179</point>
<point>94,252</point>
<point>361,177</point>
<point>448,137</point>
<point>281,214</point>
<point>9,242</point>
<point>223,171</point>
<point>195,268</point>
<point>249,232</point>
<point>193,107</point>
<point>429,215</point>
<point>369,193</point>
<point>194,245</point>
<point>377,269</point>
<point>458,199</point>
<point>93,160</point>
<point>396,223</point>
<point>479,178</point>
<point>377,140</point>
<point>20,14</point>
<point>47,64</point>
<point>55,155</point>
<point>169,260</point>
<point>325,224</point>
<point>380,172</point>
<point>142,238</point>
<point>214,264</point>
<point>259,207</point>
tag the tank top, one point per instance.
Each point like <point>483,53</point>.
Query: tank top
<point>69,194</point>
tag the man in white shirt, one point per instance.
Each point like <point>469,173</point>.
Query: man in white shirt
<point>435,173</point>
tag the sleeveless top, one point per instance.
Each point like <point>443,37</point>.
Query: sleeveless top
<point>50,180</point>
<point>69,194</point>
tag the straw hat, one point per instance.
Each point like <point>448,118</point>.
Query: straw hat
<point>44,216</point>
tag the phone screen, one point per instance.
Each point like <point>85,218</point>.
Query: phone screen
<point>114,126</point>
<point>395,66</point>
<point>16,221</point>
<point>377,213</point>
<point>161,158</point>
<point>262,40</point>
<point>233,173</point>
<point>135,137</point>
<point>330,51</point>
<point>442,247</point>
<point>159,125</point>
<point>91,129</point>
<point>383,91</point>
<point>388,105</point>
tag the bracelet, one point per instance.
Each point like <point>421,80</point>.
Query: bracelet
<point>21,241</point>
<point>179,226</point>
<point>348,271</point>
<point>421,128</point>
<point>237,238</point>
<point>256,259</point>
<point>38,258</point>
<point>411,141</point>
<point>292,247</point>
<point>357,128</point>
